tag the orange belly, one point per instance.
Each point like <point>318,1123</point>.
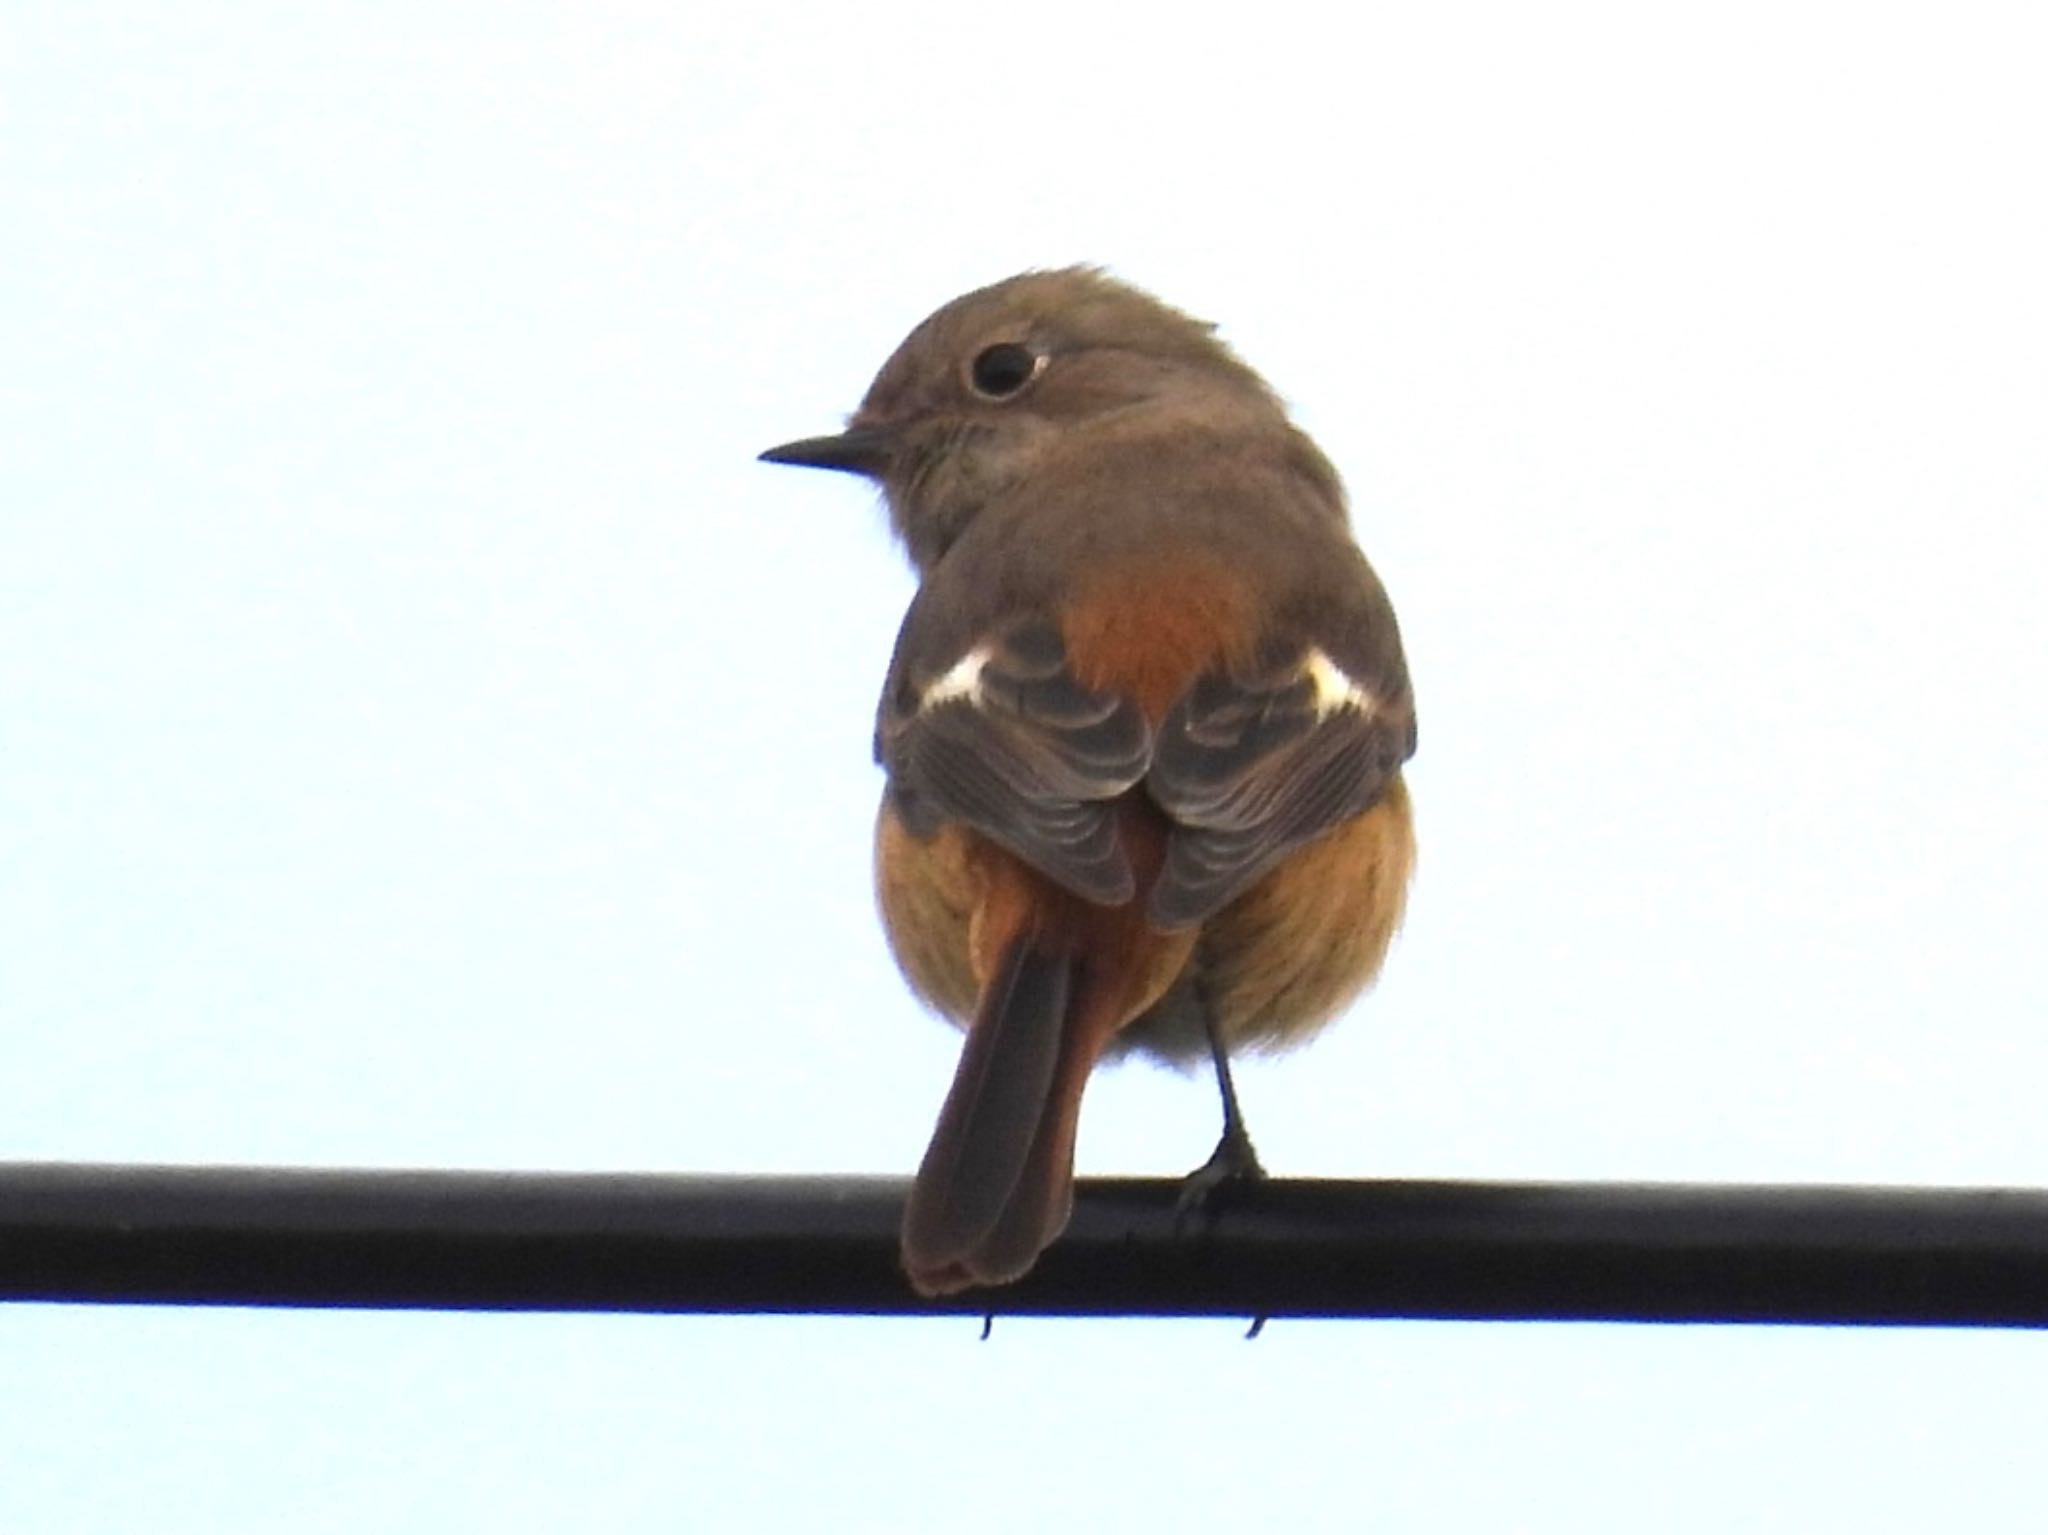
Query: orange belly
<point>1277,963</point>
<point>1298,947</point>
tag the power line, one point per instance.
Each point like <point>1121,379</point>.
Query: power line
<point>257,1236</point>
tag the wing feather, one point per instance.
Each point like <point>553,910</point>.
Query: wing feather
<point>1251,767</point>
<point>1009,743</point>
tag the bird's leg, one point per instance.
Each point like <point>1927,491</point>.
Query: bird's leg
<point>1234,1159</point>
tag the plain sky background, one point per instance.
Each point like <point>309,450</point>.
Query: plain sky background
<point>428,738</point>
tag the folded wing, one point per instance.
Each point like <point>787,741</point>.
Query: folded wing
<point>1009,743</point>
<point>1248,768</point>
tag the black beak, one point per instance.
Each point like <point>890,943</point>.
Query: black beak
<point>857,450</point>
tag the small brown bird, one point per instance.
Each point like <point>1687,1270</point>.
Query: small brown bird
<point>1143,730</point>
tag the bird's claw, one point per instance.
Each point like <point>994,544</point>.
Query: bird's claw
<point>1234,1160</point>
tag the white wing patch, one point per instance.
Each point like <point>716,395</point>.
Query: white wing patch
<point>963,680</point>
<point>1334,690</point>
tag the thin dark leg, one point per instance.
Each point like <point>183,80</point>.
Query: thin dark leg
<point>1234,1159</point>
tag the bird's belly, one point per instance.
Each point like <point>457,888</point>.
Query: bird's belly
<point>1295,949</point>
<point>928,889</point>
<point>1277,964</point>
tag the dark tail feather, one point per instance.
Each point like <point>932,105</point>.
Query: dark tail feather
<point>990,1130</point>
<point>1043,1198</point>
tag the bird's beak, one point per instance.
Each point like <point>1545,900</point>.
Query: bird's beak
<point>857,450</point>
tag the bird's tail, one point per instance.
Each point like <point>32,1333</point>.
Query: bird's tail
<point>996,1185</point>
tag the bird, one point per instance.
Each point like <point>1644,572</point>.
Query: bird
<point>1143,733</point>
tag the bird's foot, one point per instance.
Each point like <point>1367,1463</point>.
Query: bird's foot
<point>1234,1160</point>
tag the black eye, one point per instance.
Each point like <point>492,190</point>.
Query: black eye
<point>1001,370</point>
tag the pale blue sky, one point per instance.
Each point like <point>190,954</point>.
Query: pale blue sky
<point>428,738</point>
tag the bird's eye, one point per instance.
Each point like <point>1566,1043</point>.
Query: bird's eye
<point>1001,370</point>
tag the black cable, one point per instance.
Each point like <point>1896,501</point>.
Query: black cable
<point>638,1242</point>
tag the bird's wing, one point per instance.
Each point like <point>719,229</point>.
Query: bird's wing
<point>1250,767</point>
<point>1006,741</point>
